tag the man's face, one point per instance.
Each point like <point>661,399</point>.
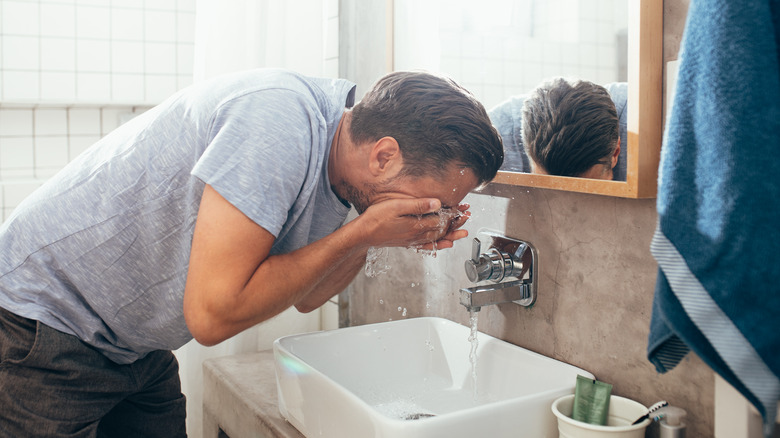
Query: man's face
<point>450,189</point>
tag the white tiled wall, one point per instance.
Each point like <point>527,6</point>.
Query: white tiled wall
<point>73,70</point>
<point>118,51</point>
<point>502,48</point>
<point>331,38</point>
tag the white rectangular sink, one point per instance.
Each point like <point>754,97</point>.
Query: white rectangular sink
<point>413,378</point>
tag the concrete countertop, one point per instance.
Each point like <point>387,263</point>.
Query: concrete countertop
<point>240,398</point>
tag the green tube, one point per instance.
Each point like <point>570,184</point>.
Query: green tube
<point>591,401</point>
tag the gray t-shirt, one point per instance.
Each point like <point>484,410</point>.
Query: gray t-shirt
<point>101,250</point>
<point>507,117</point>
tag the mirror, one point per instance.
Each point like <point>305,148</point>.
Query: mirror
<point>503,48</point>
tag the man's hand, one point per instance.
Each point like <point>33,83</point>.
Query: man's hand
<point>414,222</point>
<point>455,220</point>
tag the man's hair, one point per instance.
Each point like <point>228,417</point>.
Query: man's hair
<point>435,121</point>
<point>569,127</point>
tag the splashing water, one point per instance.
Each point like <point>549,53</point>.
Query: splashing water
<point>376,262</point>
<point>425,252</point>
<point>473,318</point>
<point>446,216</point>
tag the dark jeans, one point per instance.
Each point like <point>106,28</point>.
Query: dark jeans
<point>54,385</point>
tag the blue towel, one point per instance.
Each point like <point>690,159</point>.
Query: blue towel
<point>718,243</point>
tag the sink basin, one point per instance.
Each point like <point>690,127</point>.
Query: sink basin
<point>413,378</point>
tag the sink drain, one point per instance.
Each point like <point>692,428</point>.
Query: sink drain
<point>418,416</point>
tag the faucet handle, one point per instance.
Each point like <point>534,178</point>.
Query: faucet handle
<point>520,251</point>
<point>479,267</point>
<point>476,245</point>
<point>495,264</point>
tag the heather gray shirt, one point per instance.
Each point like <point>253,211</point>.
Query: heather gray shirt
<point>101,250</point>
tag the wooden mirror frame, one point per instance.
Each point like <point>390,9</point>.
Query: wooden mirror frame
<point>645,115</point>
<point>645,112</point>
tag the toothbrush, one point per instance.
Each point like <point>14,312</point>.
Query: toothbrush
<point>659,416</point>
<point>652,409</point>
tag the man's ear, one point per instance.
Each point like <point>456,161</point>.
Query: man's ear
<point>385,157</point>
<point>616,154</point>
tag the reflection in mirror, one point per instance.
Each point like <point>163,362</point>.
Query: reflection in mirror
<point>501,50</point>
<point>566,127</point>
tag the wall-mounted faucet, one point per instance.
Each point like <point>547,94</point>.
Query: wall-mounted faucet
<point>512,266</point>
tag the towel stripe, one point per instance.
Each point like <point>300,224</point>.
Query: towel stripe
<point>720,331</point>
<point>671,352</point>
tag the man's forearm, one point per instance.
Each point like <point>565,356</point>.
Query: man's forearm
<point>333,283</point>
<point>233,283</point>
<point>278,282</point>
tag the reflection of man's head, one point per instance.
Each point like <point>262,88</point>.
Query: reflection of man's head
<point>570,128</point>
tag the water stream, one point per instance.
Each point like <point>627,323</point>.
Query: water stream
<point>473,318</point>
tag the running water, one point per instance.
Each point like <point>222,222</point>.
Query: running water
<point>473,316</point>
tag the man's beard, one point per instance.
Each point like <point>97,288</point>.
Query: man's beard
<point>358,198</point>
<point>361,199</point>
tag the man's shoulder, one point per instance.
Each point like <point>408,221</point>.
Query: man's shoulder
<point>508,103</point>
<point>258,82</point>
<point>618,91</point>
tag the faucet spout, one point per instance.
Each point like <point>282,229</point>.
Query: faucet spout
<point>473,298</point>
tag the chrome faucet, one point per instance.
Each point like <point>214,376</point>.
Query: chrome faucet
<point>511,264</point>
